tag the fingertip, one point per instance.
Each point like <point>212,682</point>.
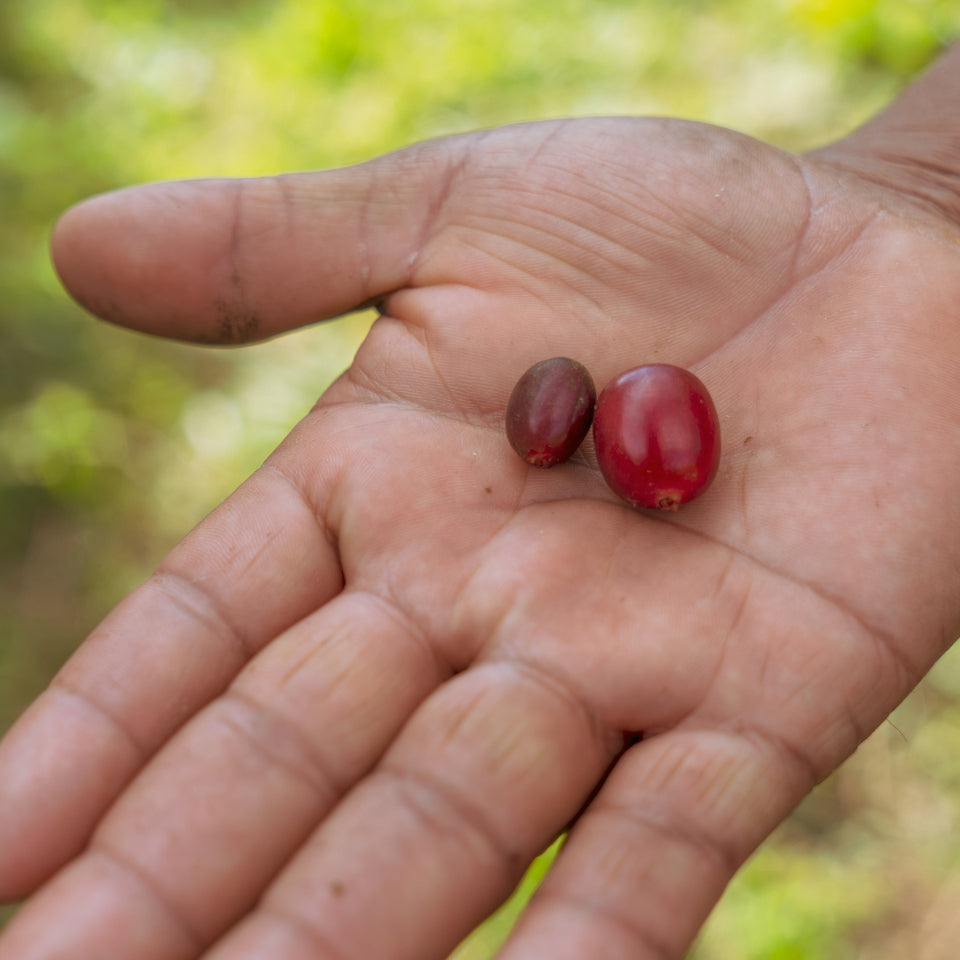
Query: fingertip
<point>66,251</point>
<point>144,257</point>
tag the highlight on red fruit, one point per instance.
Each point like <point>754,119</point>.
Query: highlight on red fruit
<point>657,436</point>
<point>550,411</point>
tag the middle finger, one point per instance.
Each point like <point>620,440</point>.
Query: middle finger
<point>481,779</point>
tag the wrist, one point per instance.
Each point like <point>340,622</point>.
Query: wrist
<point>913,145</point>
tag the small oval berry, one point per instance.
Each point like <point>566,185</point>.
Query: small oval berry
<point>657,436</point>
<point>550,411</point>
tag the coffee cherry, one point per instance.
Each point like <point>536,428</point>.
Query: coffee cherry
<point>657,436</point>
<point>550,410</point>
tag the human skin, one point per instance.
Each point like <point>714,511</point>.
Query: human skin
<point>355,702</point>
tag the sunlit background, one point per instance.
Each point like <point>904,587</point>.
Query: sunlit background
<point>113,444</point>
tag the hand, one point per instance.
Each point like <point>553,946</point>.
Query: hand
<point>355,702</point>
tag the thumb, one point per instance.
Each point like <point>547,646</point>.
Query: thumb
<point>234,260</point>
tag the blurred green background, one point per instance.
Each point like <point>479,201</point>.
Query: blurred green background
<point>113,444</point>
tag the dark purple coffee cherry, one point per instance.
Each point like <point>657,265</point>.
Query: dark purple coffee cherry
<point>550,411</point>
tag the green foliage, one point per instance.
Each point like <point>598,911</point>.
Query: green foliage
<point>490,937</point>
<point>113,444</point>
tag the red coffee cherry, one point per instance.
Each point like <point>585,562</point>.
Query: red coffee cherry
<point>657,436</point>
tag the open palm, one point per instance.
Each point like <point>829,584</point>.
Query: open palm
<point>353,704</point>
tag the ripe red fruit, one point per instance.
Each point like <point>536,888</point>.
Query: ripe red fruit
<point>550,410</point>
<point>657,436</point>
